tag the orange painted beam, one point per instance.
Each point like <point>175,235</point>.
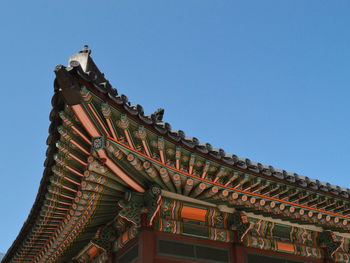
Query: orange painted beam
<point>85,120</point>
<point>194,213</point>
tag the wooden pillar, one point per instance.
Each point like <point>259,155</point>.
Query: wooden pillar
<point>327,260</point>
<point>238,252</point>
<point>147,246</point>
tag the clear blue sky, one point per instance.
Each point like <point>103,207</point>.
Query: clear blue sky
<point>267,80</point>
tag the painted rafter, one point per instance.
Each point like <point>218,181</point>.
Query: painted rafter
<point>275,191</point>
<point>271,188</point>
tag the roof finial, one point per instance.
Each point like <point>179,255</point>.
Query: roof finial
<point>85,49</point>
<point>158,115</point>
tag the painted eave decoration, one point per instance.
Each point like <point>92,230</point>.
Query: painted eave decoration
<point>100,146</point>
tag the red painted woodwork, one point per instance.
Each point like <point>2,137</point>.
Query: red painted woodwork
<point>147,246</point>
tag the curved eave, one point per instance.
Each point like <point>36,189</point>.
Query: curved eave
<point>127,121</point>
<point>99,86</point>
<point>95,81</point>
<point>73,201</point>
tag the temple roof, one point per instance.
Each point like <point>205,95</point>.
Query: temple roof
<point>93,75</point>
<point>69,148</point>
